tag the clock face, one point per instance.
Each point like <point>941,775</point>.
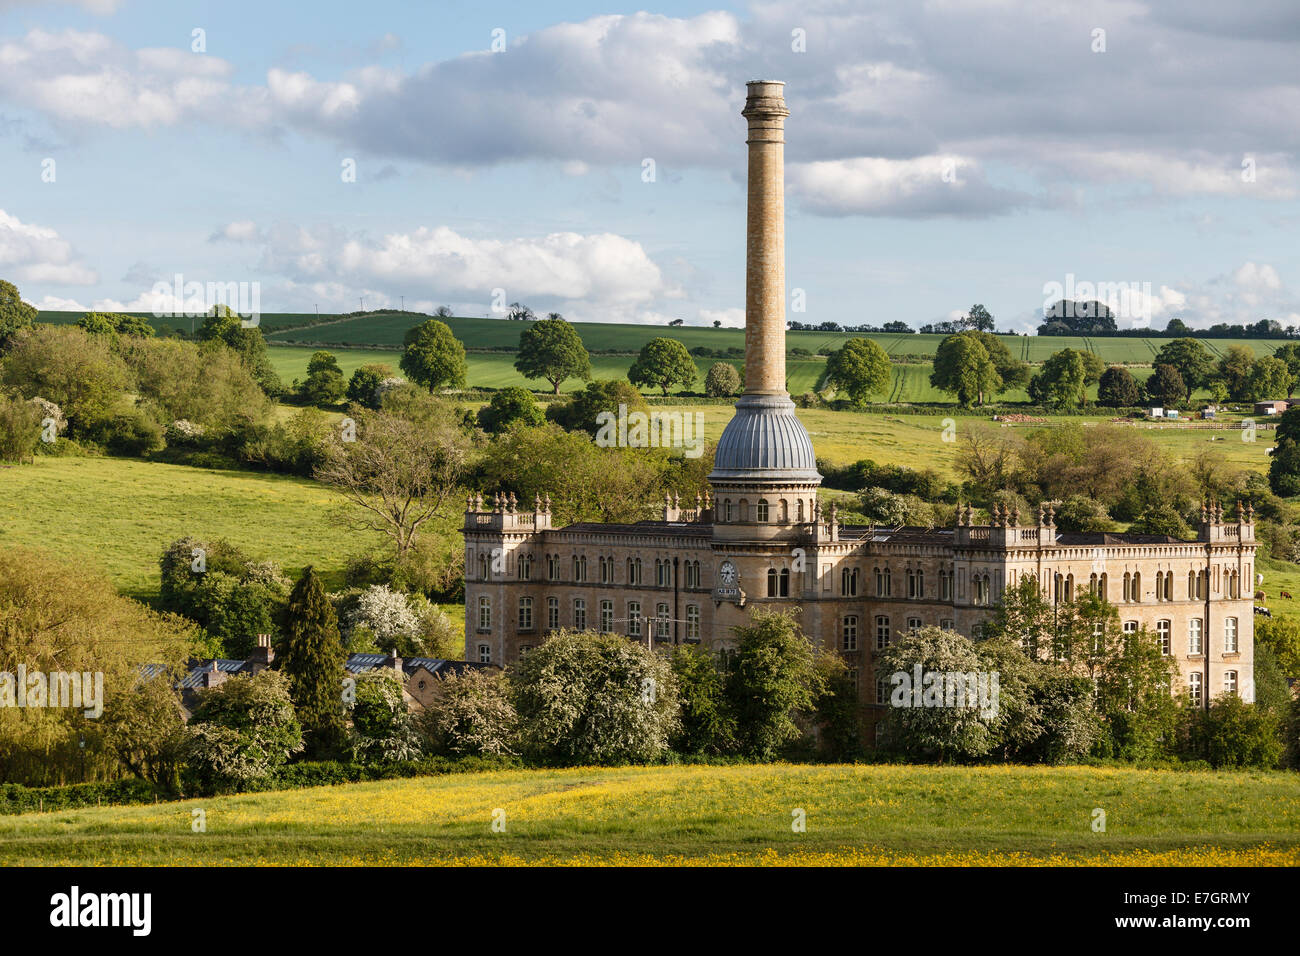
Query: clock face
<point>727,573</point>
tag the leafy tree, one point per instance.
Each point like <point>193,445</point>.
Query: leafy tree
<point>1166,386</point>
<point>1192,361</point>
<point>433,357</point>
<point>364,383</point>
<point>663,363</point>
<point>208,385</point>
<point>223,325</point>
<point>931,731</point>
<point>1062,382</point>
<point>20,427</point>
<point>581,411</point>
<point>1083,514</point>
<point>1290,354</point>
<point>313,663</point>
<point>78,372</point>
<point>242,731</point>
<point>771,679</point>
<point>115,323</point>
<point>859,369</point>
<point>962,366</point>
<point>510,406</point>
<point>551,349</point>
<point>1235,734</point>
<point>521,313</point>
<point>978,318</point>
<point>15,314</point>
<point>472,714</point>
<point>1118,389</point>
<point>1234,370</point>
<point>707,724</point>
<point>382,728</point>
<point>588,698</point>
<point>1268,379</point>
<point>398,474</point>
<point>1162,519</point>
<point>325,384</point>
<point>722,380</point>
<point>1140,716</point>
<point>1281,635</point>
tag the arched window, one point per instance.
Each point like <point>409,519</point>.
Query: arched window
<point>728,511</point>
<point>785,582</point>
<point>785,511</point>
<point>762,510</point>
<point>849,582</point>
<point>771,582</point>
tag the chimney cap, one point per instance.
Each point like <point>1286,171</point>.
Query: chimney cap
<point>766,83</point>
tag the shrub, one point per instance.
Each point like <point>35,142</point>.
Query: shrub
<point>587,698</point>
<point>20,428</point>
<point>1233,734</point>
<point>242,731</point>
<point>508,406</point>
<point>382,728</point>
<point>472,714</point>
<point>722,380</point>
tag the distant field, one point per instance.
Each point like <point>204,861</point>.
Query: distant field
<point>733,815</point>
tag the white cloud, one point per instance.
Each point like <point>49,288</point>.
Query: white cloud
<point>35,253</point>
<point>54,303</point>
<point>730,318</point>
<point>245,230</point>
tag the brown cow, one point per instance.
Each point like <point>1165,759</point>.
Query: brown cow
<point>1285,595</point>
<point>1261,596</point>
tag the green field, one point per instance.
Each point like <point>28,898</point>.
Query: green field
<point>118,514</point>
<point>709,815</point>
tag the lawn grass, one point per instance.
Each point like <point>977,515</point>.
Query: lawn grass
<point>733,814</point>
<point>119,514</point>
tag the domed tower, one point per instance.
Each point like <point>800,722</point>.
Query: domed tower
<point>765,473</point>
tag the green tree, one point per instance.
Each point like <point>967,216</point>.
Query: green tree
<point>772,678</point>
<point>312,660</point>
<point>1079,513</point>
<point>242,731</point>
<point>472,714</point>
<point>962,366</point>
<point>20,427</point>
<point>588,698</point>
<point>325,384</point>
<point>978,318</point>
<point>1268,379</point>
<point>707,725</point>
<point>1190,358</point>
<point>663,363</point>
<point>581,411</point>
<point>78,372</point>
<point>859,369</point>
<point>1234,370</point>
<point>510,406</point>
<point>1290,354</point>
<point>722,380</point>
<point>1118,389</point>
<point>433,357</point>
<point>1061,384</point>
<point>1235,734</point>
<point>1140,716</point>
<point>223,325</point>
<point>551,349</point>
<point>1162,519</point>
<point>15,314</point>
<point>1165,387</point>
<point>364,382</point>
<point>115,323</point>
<point>1284,467</point>
<point>382,728</point>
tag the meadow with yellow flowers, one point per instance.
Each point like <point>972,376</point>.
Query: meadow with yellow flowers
<point>704,815</point>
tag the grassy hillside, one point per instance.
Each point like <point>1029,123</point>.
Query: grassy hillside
<point>709,815</point>
<point>118,514</point>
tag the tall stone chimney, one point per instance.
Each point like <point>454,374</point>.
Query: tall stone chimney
<point>766,111</point>
<point>764,457</point>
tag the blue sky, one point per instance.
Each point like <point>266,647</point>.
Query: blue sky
<point>940,154</point>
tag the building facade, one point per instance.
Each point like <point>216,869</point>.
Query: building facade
<point>759,536</point>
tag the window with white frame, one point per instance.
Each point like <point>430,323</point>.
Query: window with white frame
<point>849,632</point>
<point>761,510</point>
<point>914,624</point>
<point>1194,688</point>
<point>662,622</point>
<point>947,623</point>
<point>525,614</point>
<point>579,614</point>
<point>1230,682</point>
<point>1230,635</point>
<point>692,622</point>
<point>485,653</point>
<point>485,613</point>
<point>606,616</point>
<point>1194,635</point>
<point>633,618</point>
<point>553,613</point>
<point>1163,635</point>
<point>882,632</point>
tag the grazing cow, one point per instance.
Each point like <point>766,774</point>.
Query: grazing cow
<point>1285,595</point>
<point>1261,596</point>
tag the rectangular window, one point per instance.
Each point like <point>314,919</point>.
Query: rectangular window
<point>827,572</point>
<point>553,613</point>
<point>1230,682</point>
<point>485,614</point>
<point>692,622</point>
<point>525,614</point>
<point>662,624</point>
<point>633,618</point>
<point>1230,636</point>
<point>606,616</point>
<point>947,623</point>
<point>1194,688</point>
<point>1194,636</point>
<point>945,585</point>
<point>485,654</point>
<point>579,614</point>
<point>849,633</point>
<point>882,633</point>
<point>1162,633</point>
<point>914,624</point>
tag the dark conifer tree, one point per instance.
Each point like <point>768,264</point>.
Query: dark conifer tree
<point>313,662</point>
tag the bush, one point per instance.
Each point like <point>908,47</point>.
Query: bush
<point>382,728</point>
<point>508,406</point>
<point>472,714</point>
<point>242,731</point>
<point>722,380</point>
<point>20,428</point>
<point>587,698</point>
<point>1234,734</point>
